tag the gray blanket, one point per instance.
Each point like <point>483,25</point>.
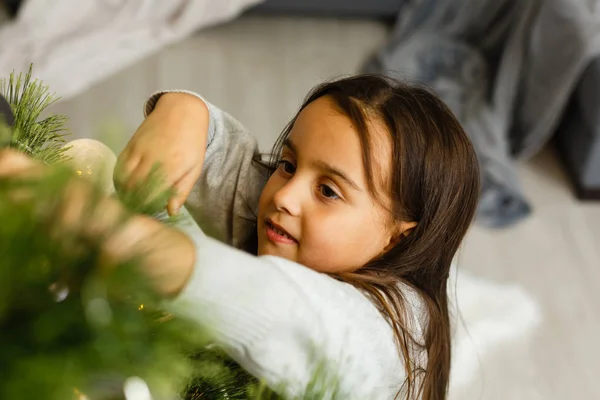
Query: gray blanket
<point>505,67</point>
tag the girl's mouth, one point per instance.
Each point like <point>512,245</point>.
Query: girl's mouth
<point>277,234</point>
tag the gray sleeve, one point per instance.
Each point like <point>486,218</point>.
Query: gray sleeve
<point>224,200</point>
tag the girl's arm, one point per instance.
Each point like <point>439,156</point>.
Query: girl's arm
<point>288,324</point>
<point>205,153</point>
<point>295,328</point>
<point>225,197</point>
<point>283,322</point>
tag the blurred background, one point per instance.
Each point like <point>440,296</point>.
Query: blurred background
<point>523,77</point>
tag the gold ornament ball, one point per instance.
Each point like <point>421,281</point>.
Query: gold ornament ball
<point>94,161</point>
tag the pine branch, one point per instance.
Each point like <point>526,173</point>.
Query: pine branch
<point>64,322</point>
<point>41,137</point>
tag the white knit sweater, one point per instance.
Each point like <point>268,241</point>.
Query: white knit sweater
<point>281,321</point>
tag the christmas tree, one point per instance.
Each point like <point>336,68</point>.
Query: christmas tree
<point>68,329</point>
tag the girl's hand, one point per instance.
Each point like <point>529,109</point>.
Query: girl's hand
<point>14,163</point>
<point>67,212</point>
<point>174,136</point>
<point>167,255</point>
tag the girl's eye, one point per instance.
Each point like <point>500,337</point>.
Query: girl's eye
<point>287,167</point>
<point>328,192</point>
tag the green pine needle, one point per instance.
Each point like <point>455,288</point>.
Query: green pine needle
<point>42,138</point>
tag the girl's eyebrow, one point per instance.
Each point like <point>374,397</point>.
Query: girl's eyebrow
<point>331,170</point>
<point>290,145</point>
<point>326,168</point>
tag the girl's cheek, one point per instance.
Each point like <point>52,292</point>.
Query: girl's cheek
<point>268,191</point>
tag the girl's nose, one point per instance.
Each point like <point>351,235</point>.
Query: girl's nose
<point>288,198</point>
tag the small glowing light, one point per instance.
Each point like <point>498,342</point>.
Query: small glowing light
<point>136,389</point>
<point>79,172</point>
<point>141,307</point>
<point>59,291</point>
<point>79,395</point>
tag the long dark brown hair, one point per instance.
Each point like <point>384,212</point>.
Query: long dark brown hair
<point>434,182</point>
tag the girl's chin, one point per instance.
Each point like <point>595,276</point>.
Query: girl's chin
<point>269,249</point>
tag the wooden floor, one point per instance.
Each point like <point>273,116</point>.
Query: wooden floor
<point>259,70</point>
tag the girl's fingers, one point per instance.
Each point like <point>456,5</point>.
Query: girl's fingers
<point>140,174</point>
<point>127,164</point>
<point>151,180</point>
<point>13,163</point>
<point>118,175</point>
<point>183,188</point>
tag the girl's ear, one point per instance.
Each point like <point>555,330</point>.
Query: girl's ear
<point>406,228</point>
<point>403,230</point>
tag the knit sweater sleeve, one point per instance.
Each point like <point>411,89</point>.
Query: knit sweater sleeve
<point>288,324</point>
<point>225,198</point>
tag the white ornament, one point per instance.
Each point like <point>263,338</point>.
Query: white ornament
<point>93,160</point>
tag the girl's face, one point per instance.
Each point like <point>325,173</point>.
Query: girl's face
<point>316,208</point>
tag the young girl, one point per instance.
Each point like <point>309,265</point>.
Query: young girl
<point>355,222</point>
